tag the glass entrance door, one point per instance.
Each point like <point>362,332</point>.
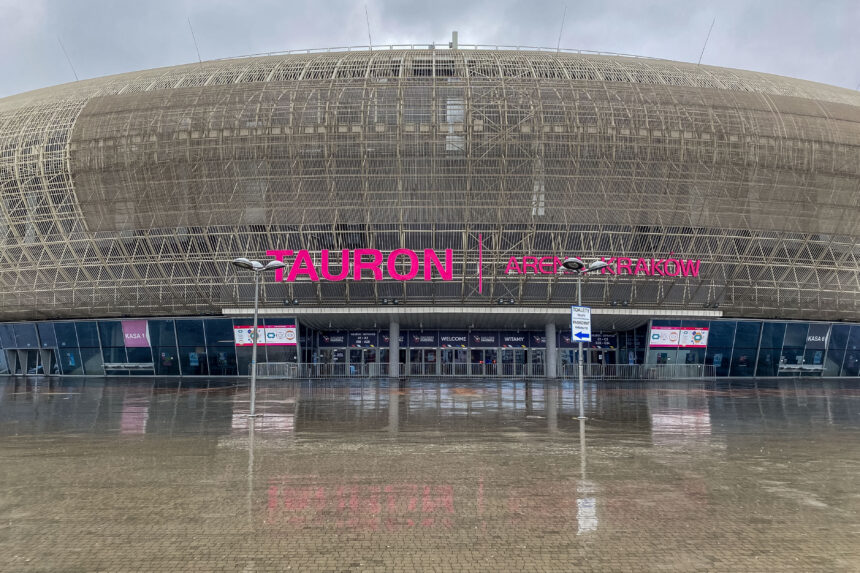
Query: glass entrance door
<point>513,361</point>
<point>454,361</point>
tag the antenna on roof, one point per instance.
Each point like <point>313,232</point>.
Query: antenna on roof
<point>369,39</point>
<point>67,58</point>
<point>706,41</point>
<point>195,41</point>
<point>558,46</point>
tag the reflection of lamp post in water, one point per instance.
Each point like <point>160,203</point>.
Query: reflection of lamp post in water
<point>258,268</point>
<point>586,507</point>
<point>577,267</point>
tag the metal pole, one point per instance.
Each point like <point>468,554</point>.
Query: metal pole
<point>579,362</point>
<point>254,344</point>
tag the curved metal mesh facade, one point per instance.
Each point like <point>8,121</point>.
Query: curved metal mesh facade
<point>128,195</point>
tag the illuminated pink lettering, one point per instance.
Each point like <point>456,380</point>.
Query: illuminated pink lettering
<point>551,261</point>
<point>641,265</point>
<point>344,266</point>
<point>530,263</point>
<point>279,256</point>
<point>392,264</point>
<point>608,267</point>
<point>431,260</point>
<point>623,263</point>
<point>359,265</point>
<point>513,266</point>
<point>656,267</point>
<point>690,268</point>
<point>303,265</point>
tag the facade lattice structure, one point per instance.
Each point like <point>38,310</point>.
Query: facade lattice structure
<point>129,195</point>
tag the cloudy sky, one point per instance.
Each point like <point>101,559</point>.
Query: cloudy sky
<point>815,40</point>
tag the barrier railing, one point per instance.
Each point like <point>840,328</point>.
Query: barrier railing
<point>565,371</point>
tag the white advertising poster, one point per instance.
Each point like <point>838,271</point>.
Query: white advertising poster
<point>272,335</point>
<point>677,337</point>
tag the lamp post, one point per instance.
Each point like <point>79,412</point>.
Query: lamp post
<point>579,268</point>
<point>258,268</point>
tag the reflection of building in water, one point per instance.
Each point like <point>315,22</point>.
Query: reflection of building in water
<point>135,409</point>
<point>678,413</point>
<point>304,501</point>
<point>276,408</point>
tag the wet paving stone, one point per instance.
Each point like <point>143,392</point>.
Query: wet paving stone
<point>429,475</point>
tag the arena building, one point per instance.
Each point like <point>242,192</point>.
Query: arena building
<point>422,200</point>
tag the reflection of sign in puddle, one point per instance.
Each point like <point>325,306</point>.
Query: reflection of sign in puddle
<point>467,393</point>
<point>390,507</point>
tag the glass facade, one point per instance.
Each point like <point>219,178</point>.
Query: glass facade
<point>742,348</point>
<point>205,347</point>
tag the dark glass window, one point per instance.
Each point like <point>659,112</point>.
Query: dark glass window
<point>854,338</point>
<point>768,362</point>
<point>792,356</point>
<point>161,333</point>
<point>839,336</point>
<point>139,355</point>
<point>720,359</point>
<point>190,333</point>
<point>193,359</point>
<point>47,336</point>
<point>243,358</point>
<point>833,362</point>
<point>222,361</point>
<point>851,366</point>
<point>721,334</point>
<point>772,334</point>
<point>219,332</point>
<point>695,324</point>
<point>92,359</point>
<point>25,335</point>
<point>746,335</point>
<point>114,354</point>
<point>743,362</point>
<point>88,335</point>
<point>795,334</point>
<point>166,361</point>
<point>66,337</point>
<point>814,357</point>
<point>674,323</point>
<point>70,361</point>
<point>110,333</point>
<point>7,336</point>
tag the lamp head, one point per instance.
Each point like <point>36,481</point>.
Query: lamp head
<point>274,265</point>
<point>573,264</point>
<point>244,263</point>
<point>597,265</point>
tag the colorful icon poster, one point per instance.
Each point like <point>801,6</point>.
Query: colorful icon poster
<point>677,337</point>
<point>273,335</point>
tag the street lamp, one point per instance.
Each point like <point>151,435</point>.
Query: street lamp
<point>258,268</point>
<point>579,268</point>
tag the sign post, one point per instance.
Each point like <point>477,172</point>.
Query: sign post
<point>580,329</point>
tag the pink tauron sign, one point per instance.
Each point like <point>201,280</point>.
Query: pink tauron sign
<point>670,267</point>
<point>359,262</point>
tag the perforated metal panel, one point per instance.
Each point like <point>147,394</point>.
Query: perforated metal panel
<point>128,195</point>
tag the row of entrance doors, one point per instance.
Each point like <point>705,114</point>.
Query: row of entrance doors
<point>431,359</point>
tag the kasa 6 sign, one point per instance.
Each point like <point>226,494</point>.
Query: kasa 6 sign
<point>272,335</point>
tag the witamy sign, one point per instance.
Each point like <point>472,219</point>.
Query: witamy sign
<point>430,264</point>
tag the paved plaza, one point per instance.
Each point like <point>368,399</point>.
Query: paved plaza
<point>429,475</point>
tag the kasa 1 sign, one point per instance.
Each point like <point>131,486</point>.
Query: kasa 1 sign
<point>272,335</point>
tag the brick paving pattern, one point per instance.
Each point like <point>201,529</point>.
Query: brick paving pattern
<point>132,475</point>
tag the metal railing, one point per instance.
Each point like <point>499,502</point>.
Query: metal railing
<point>441,46</point>
<point>565,371</point>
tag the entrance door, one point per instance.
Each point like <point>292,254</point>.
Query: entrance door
<point>422,361</point>
<point>454,361</point>
<point>537,361</point>
<point>513,361</point>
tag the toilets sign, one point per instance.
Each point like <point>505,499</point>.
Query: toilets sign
<point>580,323</point>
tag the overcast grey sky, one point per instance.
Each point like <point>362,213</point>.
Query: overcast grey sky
<point>818,41</point>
